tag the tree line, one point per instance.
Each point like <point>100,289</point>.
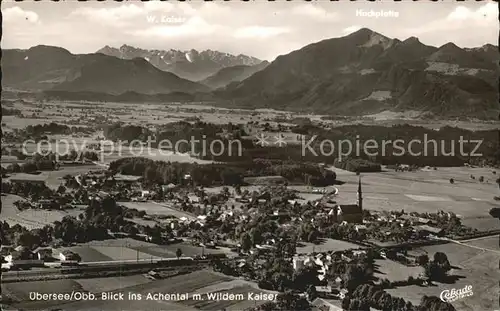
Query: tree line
<point>221,174</point>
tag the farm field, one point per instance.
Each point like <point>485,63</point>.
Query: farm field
<point>31,218</point>
<point>457,254</point>
<point>491,242</point>
<point>53,179</point>
<point>122,253</point>
<point>19,292</point>
<point>482,223</point>
<point>87,253</point>
<point>394,271</point>
<point>426,191</point>
<point>177,284</point>
<point>92,253</point>
<point>326,246</point>
<point>475,267</point>
<point>152,208</point>
<point>96,285</point>
<point>128,249</point>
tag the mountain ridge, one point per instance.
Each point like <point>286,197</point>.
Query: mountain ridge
<point>371,73</point>
<point>46,67</point>
<point>190,64</point>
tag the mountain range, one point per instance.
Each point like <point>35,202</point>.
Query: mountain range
<point>358,74</point>
<point>53,68</point>
<point>366,72</point>
<point>191,65</point>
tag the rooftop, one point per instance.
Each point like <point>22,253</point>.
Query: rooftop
<point>120,177</point>
<point>350,209</point>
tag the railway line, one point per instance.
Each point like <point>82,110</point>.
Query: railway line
<point>103,269</point>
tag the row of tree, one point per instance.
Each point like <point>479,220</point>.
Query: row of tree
<point>155,172</point>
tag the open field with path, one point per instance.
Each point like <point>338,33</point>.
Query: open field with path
<point>31,218</point>
<point>474,267</point>
<point>427,191</point>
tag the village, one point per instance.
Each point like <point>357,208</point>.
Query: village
<point>240,229</point>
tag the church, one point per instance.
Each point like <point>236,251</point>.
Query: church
<point>351,213</point>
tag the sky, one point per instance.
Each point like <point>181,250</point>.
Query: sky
<point>261,29</point>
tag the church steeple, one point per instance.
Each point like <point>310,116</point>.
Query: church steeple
<point>360,194</point>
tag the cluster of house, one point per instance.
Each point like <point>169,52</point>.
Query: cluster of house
<point>323,261</point>
<point>136,192</point>
<point>423,226</point>
<point>22,256</point>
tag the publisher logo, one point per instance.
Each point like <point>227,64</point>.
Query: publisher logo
<point>456,294</point>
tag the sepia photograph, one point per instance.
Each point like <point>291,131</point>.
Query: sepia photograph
<point>250,156</point>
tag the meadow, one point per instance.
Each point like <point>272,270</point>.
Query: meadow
<point>131,249</point>
<point>426,191</point>
<point>478,268</point>
<point>31,218</point>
